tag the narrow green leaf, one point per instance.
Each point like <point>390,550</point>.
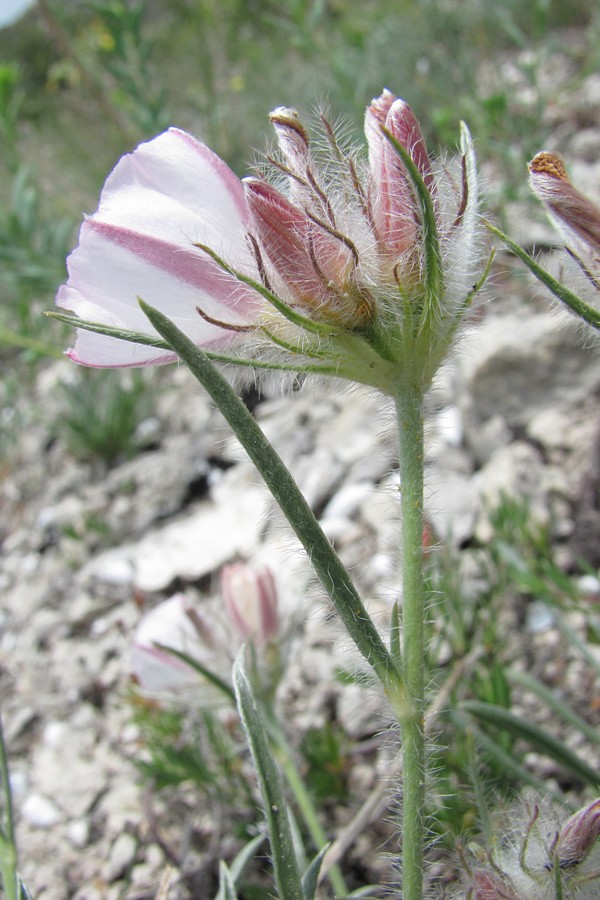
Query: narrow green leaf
<point>310,879</point>
<point>138,337</point>
<point>120,333</point>
<point>242,861</point>
<point>227,889</point>
<point>287,876</point>
<point>200,668</point>
<point>506,720</point>
<point>575,303</point>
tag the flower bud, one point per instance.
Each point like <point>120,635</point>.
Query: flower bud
<point>578,836</point>
<point>575,216</point>
<point>250,597</point>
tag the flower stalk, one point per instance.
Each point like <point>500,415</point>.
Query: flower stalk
<point>409,406</point>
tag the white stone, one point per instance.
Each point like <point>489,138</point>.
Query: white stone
<point>78,832</point>
<point>40,812</point>
<point>193,545</point>
<point>122,855</point>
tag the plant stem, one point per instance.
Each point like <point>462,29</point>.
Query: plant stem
<point>8,851</point>
<point>284,757</point>
<point>409,409</point>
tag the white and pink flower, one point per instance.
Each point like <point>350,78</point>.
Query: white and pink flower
<point>209,635</point>
<point>331,268</point>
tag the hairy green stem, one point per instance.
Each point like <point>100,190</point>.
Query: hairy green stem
<point>409,407</point>
<point>333,575</point>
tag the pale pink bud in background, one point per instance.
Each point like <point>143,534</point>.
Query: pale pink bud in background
<point>250,597</point>
<point>578,835</point>
<point>489,886</point>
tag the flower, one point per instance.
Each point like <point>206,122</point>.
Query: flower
<point>177,630</point>
<point>574,215</point>
<point>173,625</point>
<point>250,597</point>
<point>346,267</point>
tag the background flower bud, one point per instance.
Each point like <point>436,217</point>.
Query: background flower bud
<point>250,597</point>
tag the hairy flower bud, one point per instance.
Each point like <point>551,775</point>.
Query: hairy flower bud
<point>575,216</point>
<point>578,836</point>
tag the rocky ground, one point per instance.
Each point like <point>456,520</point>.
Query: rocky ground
<point>85,552</point>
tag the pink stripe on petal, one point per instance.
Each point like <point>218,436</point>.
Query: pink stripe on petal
<point>189,265</point>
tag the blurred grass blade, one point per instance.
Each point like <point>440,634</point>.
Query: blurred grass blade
<point>501,757</point>
<point>545,743</point>
<point>571,635</point>
<point>11,882</point>
<point>287,876</point>
<point>554,702</point>
<point>25,342</point>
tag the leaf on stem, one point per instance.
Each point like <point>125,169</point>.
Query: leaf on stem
<point>575,303</point>
<point>287,875</point>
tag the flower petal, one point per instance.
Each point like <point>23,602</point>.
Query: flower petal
<point>111,268</point>
<point>158,202</point>
<point>174,187</point>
